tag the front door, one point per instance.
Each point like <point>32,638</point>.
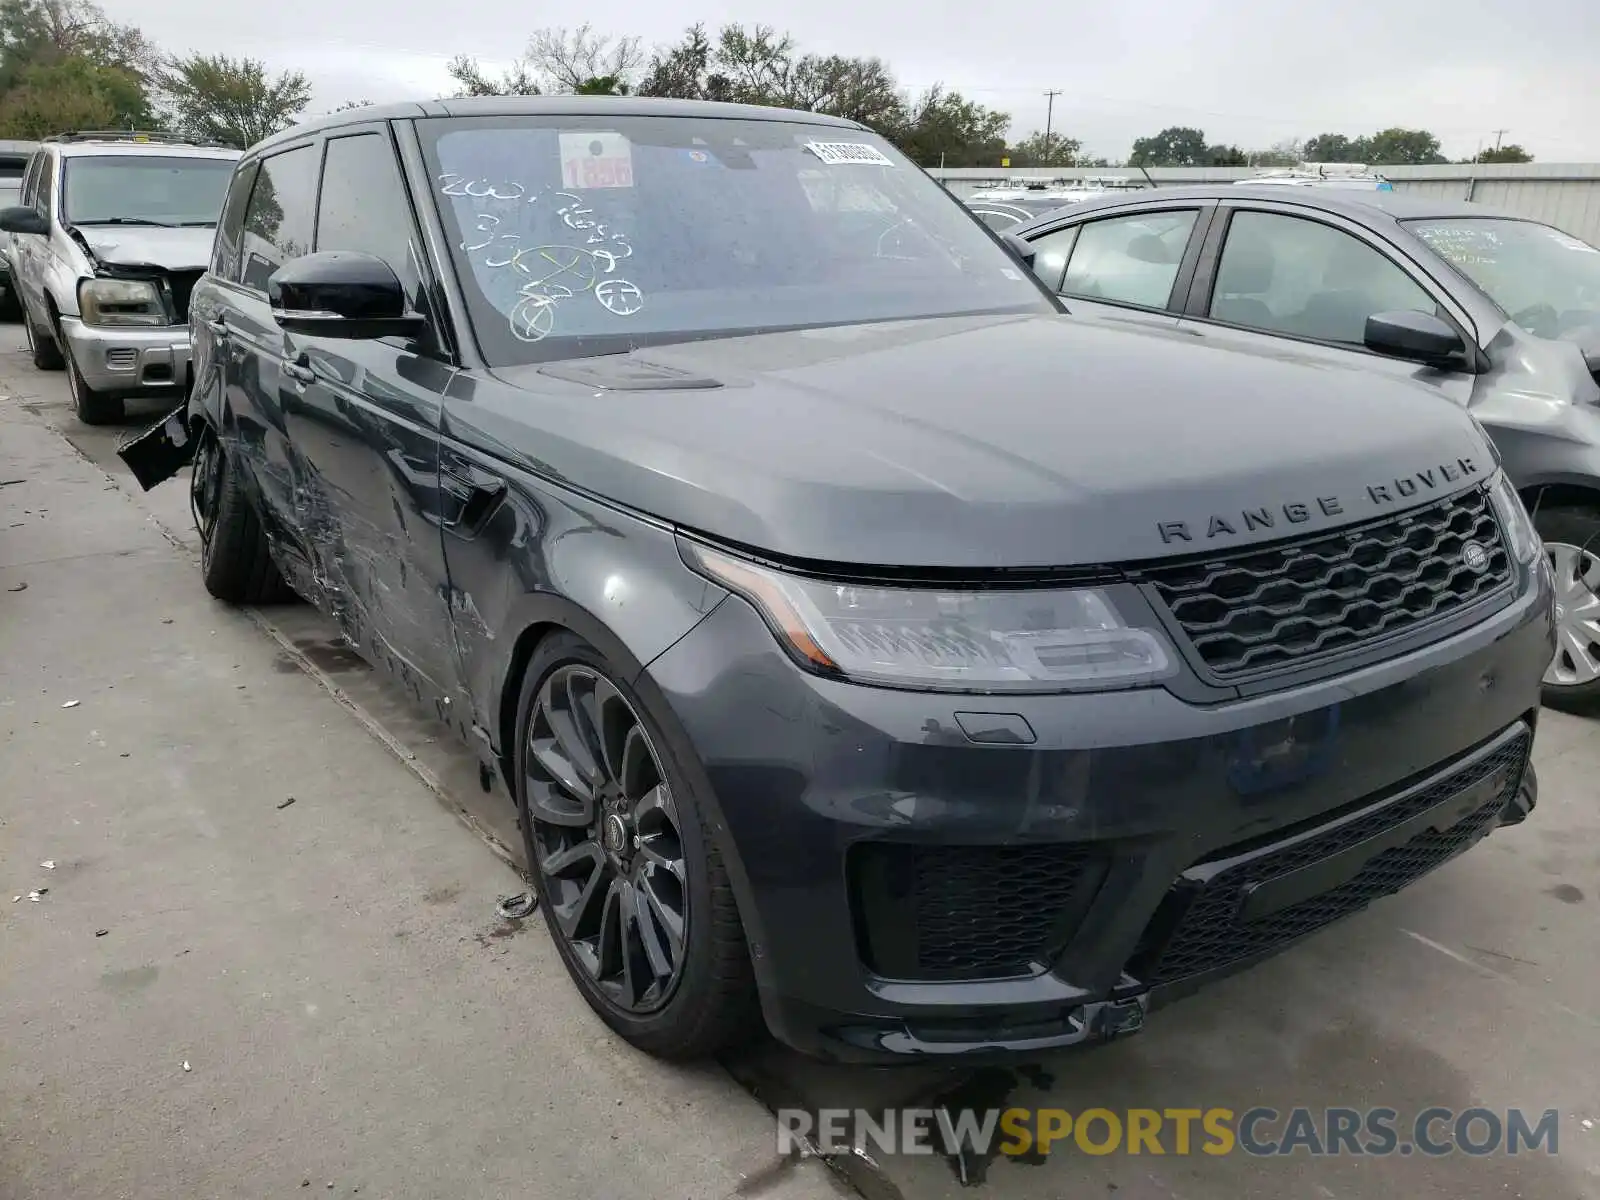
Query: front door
<point>363,418</point>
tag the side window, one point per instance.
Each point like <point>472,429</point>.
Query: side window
<point>279,220</point>
<point>1303,278</point>
<point>1050,256</point>
<point>1129,260</point>
<point>364,206</point>
<point>47,183</point>
<point>225,250</point>
<point>30,182</point>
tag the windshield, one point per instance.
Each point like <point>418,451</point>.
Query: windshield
<point>590,235</point>
<point>144,189</point>
<point>1546,281</point>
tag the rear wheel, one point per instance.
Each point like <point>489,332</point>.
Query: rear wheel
<point>92,407</point>
<point>234,558</point>
<point>1572,543</point>
<point>633,889</point>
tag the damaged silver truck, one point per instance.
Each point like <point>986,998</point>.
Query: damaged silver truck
<point>110,233</point>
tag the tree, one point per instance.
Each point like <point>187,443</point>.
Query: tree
<point>1176,146</point>
<point>1504,154</point>
<point>1226,156</point>
<point>230,100</point>
<point>945,129</point>
<point>64,65</point>
<point>583,62</point>
<point>1394,147</point>
<point>1330,148</point>
<point>1032,151</point>
<point>471,81</point>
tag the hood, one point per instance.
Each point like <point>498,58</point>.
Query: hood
<point>984,442</point>
<point>1587,339</point>
<point>150,246</point>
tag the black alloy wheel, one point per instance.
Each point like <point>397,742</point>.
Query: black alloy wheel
<point>633,887</point>
<point>205,490</point>
<point>608,839</point>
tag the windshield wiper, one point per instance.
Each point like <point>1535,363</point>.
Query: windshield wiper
<point>128,221</point>
<point>193,224</point>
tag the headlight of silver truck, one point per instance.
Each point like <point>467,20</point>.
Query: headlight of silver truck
<point>120,302</point>
<point>1521,537</point>
<point>989,640</point>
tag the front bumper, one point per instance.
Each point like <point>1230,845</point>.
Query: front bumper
<point>918,878</point>
<point>118,359</point>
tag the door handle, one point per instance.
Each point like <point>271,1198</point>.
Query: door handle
<point>300,370</point>
<point>476,493</point>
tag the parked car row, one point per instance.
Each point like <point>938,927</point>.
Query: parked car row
<point>869,642</point>
<point>1497,314</point>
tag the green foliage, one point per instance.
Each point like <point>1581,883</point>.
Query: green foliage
<point>1388,147</point>
<point>1032,151</point>
<point>64,66</point>
<point>1505,154</point>
<point>1175,146</point>
<point>231,100</point>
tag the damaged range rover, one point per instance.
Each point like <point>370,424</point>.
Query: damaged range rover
<point>694,463</point>
<point>110,232</point>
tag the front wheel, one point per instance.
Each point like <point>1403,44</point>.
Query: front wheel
<point>42,348</point>
<point>1572,543</point>
<point>92,407</point>
<point>633,889</point>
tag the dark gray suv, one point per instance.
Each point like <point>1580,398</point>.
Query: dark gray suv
<point>864,643</point>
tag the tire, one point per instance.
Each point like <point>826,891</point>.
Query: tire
<point>92,407</point>
<point>235,561</point>
<point>1572,543</point>
<point>710,1004</point>
<point>46,354</point>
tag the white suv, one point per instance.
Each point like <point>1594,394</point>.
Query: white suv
<point>109,234</point>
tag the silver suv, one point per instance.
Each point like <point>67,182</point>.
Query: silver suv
<point>110,232</point>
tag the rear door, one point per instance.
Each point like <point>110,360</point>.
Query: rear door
<point>363,421</point>
<point>279,225</point>
<point>1125,266</point>
<point>1297,282</point>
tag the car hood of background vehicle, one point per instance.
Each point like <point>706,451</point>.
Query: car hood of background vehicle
<point>976,442</point>
<point>150,246</point>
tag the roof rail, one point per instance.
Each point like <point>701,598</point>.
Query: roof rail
<point>136,135</point>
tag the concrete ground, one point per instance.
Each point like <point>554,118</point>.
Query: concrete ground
<point>354,1016</point>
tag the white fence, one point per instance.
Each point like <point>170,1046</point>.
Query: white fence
<point>1566,195</point>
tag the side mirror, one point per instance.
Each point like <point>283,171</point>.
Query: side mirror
<point>1419,336</point>
<point>342,294</point>
<point>1022,251</point>
<point>20,219</point>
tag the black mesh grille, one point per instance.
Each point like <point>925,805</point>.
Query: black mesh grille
<point>968,912</point>
<point>1301,601</point>
<point>1206,929</point>
<point>182,284</point>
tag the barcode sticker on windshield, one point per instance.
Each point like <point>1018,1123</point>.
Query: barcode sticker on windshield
<point>839,153</point>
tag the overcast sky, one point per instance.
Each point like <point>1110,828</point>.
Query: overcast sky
<point>1250,72</point>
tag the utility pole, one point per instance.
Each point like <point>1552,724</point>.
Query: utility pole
<point>1498,134</point>
<point>1049,115</point>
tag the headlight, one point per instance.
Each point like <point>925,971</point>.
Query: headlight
<point>120,302</point>
<point>1034,640</point>
<point>1521,536</point>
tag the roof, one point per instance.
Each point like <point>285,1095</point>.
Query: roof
<point>109,147</point>
<point>553,106</point>
<point>1357,204</point>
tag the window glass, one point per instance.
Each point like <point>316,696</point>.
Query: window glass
<point>1303,278</point>
<point>1050,256</point>
<point>30,180</point>
<point>144,189</point>
<point>278,224</point>
<point>364,206</point>
<point>47,183</point>
<point>584,234</point>
<point>1547,281</point>
<point>1129,260</point>
<point>225,250</point>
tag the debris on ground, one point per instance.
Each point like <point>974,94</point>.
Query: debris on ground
<point>38,895</point>
<point>514,908</point>
<point>101,932</point>
<point>186,1066</point>
<point>287,802</point>
<point>49,864</point>
<point>20,587</point>
<point>70,704</point>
